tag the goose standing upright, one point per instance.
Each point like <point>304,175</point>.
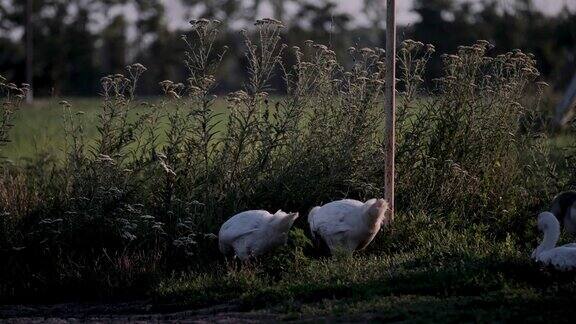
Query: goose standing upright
<point>254,232</point>
<point>348,225</point>
<point>562,258</point>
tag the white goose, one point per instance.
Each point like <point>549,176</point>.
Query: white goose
<point>348,225</point>
<point>562,258</point>
<point>254,232</point>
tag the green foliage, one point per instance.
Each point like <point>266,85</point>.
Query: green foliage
<point>12,98</point>
<point>144,195</point>
<point>468,146</point>
<point>288,258</point>
<point>446,263</point>
<point>569,162</point>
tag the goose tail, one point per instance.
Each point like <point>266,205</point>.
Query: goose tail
<point>311,220</point>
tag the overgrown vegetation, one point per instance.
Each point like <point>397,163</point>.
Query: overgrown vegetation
<point>132,213</point>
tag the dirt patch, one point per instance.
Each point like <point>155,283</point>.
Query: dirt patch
<point>132,312</point>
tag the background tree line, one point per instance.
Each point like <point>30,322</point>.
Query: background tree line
<point>79,41</point>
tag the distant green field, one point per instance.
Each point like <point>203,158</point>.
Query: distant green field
<point>39,127</point>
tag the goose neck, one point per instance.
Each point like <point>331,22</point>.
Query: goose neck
<point>551,236</point>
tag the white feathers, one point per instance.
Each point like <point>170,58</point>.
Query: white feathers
<point>348,225</point>
<point>254,232</point>
<point>562,258</point>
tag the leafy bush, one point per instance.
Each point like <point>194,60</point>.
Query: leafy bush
<point>147,195</point>
<point>467,147</point>
<point>15,196</point>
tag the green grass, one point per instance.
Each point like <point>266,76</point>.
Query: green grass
<point>559,144</point>
<point>451,275</point>
<point>392,288</point>
<point>40,130</point>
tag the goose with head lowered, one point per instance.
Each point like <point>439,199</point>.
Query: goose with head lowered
<point>348,225</point>
<point>254,232</point>
<point>563,257</point>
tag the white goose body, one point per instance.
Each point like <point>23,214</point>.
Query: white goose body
<point>254,232</point>
<point>562,258</point>
<point>348,225</point>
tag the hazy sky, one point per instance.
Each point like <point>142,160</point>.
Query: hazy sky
<point>178,15</point>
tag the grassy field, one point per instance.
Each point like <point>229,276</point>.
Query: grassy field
<point>40,126</point>
<point>442,274</point>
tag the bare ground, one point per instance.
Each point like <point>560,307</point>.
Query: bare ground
<point>127,312</point>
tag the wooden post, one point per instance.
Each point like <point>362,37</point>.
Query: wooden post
<point>390,103</point>
<point>29,50</point>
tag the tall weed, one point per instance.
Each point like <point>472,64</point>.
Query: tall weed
<point>15,196</point>
<point>466,146</point>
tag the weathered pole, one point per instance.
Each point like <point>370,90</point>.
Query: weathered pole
<point>29,50</point>
<point>390,103</point>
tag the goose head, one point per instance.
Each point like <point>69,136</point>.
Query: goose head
<point>280,226</point>
<point>376,213</point>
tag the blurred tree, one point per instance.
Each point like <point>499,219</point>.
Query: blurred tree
<point>160,50</point>
<point>28,31</point>
<point>64,44</point>
<point>321,20</point>
<point>11,60</point>
<point>565,46</point>
<point>227,11</point>
<point>80,67</point>
<point>278,9</point>
<point>114,46</point>
<point>521,25</point>
<point>77,41</point>
<point>434,25</point>
<point>375,11</point>
<point>448,24</point>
